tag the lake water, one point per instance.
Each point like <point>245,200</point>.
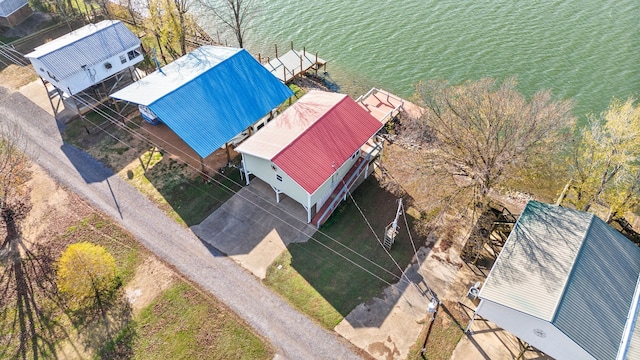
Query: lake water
<point>588,50</point>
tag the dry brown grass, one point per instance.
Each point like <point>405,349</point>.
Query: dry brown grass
<point>14,77</point>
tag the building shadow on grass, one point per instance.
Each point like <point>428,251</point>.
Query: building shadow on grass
<point>193,198</point>
<point>345,261</point>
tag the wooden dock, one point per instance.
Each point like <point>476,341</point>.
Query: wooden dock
<point>294,63</point>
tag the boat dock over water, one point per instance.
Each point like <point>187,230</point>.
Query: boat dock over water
<point>294,63</point>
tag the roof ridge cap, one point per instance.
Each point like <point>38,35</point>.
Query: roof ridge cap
<point>573,267</point>
<point>112,24</point>
<point>195,77</point>
<point>344,96</point>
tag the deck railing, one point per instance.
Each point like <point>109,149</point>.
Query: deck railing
<point>322,216</point>
<point>393,112</point>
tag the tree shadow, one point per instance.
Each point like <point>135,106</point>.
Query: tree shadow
<point>348,279</point>
<point>106,327</point>
<point>29,301</point>
<point>32,312</point>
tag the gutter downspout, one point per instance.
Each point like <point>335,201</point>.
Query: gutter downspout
<point>246,172</point>
<point>308,208</point>
<point>475,313</point>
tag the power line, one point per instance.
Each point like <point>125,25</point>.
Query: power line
<point>124,127</point>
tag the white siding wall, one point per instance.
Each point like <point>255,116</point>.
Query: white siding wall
<point>81,80</point>
<point>555,343</point>
<point>261,168</point>
<point>323,192</point>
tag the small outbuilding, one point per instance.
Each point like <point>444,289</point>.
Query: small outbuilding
<point>87,56</point>
<point>315,151</point>
<point>13,12</point>
<point>208,96</point>
<point>567,284</point>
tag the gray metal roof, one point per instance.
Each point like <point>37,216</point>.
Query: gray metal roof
<point>633,352</point>
<point>89,45</point>
<point>595,305</point>
<point>571,269</point>
<point>7,7</point>
<point>534,265</point>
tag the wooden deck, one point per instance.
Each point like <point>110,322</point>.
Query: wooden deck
<point>384,105</point>
<point>293,63</point>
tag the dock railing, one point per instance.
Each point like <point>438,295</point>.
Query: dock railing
<point>391,113</point>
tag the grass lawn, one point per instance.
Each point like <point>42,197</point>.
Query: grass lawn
<point>444,335</point>
<point>183,324</point>
<point>175,187</point>
<point>325,285</point>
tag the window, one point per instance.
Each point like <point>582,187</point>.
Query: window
<point>134,54</point>
<point>53,77</point>
<point>278,177</point>
<point>260,126</point>
<point>123,59</point>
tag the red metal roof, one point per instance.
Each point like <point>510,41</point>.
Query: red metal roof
<point>331,137</point>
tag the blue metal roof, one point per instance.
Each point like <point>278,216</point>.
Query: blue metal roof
<point>209,95</point>
<point>8,7</point>
<point>87,46</point>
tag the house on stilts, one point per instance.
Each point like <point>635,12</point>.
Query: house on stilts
<point>80,69</point>
<point>209,96</point>
<point>567,284</point>
<point>13,12</point>
<point>315,152</point>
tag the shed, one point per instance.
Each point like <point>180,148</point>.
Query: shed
<point>13,12</point>
<point>314,152</point>
<point>568,284</point>
<point>209,95</point>
<point>87,56</point>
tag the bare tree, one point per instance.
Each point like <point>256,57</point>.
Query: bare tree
<point>181,8</point>
<point>482,134</point>
<point>237,15</point>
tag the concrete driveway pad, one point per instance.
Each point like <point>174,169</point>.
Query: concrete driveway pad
<point>253,229</point>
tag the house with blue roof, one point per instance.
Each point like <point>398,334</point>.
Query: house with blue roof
<point>567,284</point>
<point>13,12</point>
<point>208,96</point>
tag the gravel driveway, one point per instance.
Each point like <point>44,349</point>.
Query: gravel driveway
<point>292,334</point>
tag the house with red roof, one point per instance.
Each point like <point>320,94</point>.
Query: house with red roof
<point>315,152</point>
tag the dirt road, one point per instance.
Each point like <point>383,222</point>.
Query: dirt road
<point>292,334</point>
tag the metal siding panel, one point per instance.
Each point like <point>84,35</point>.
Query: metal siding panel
<point>634,346</point>
<point>314,156</point>
<point>593,311</point>
<point>212,108</point>
<point>89,50</point>
<point>536,260</point>
<point>7,7</point>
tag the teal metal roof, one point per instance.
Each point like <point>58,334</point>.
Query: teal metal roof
<point>209,95</point>
<point>571,269</point>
